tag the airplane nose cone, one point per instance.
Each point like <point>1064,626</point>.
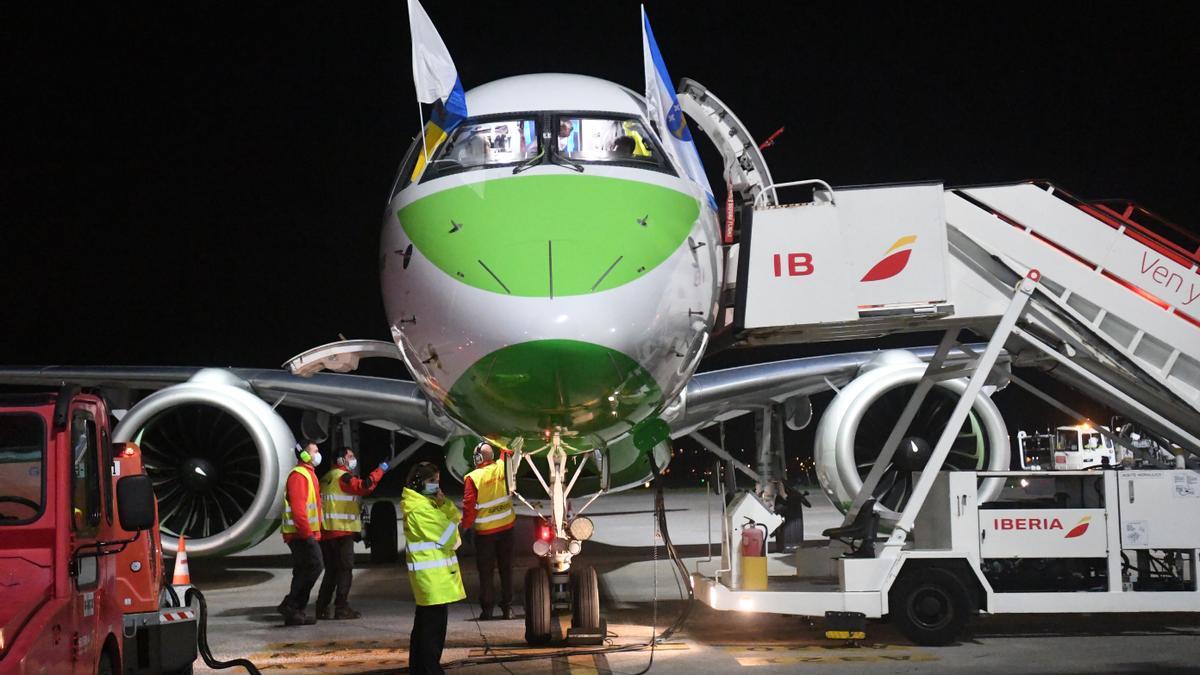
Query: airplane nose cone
<point>552,384</point>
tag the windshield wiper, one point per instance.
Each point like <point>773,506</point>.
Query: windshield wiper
<point>560,160</point>
<point>529,163</point>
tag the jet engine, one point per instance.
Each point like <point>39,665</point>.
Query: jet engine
<point>860,418</point>
<point>217,455</point>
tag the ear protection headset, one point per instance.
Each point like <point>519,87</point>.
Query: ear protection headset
<point>421,472</point>
<point>303,454</point>
<point>478,456</point>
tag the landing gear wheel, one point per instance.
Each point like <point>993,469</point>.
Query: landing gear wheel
<point>929,606</point>
<point>537,606</point>
<point>585,598</point>
<point>382,533</point>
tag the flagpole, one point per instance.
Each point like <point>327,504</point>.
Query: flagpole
<point>421,131</point>
<point>420,113</point>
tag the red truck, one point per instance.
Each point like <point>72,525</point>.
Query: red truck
<point>81,570</point>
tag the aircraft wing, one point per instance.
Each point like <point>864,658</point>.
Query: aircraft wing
<point>713,396</point>
<point>389,403</point>
<point>400,405</point>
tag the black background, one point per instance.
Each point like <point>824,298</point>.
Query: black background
<point>205,185</point>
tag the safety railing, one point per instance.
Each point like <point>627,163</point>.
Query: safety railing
<point>1139,223</point>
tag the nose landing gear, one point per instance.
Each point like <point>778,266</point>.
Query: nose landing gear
<point>553,586</point>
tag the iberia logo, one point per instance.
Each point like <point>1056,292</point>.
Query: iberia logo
<point>894,260</point>
<point>1079,528</point>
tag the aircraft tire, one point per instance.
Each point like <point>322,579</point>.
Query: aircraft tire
<point>537,606</point>
<point>585,598</point>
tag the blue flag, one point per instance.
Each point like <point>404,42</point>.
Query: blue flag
<point>662,107</point>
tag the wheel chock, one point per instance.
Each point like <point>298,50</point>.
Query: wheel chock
<point>845,625</point>
<point>587,637</point>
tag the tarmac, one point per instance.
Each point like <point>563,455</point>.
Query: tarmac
<point>640,595</point>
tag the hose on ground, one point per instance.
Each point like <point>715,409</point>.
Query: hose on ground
<point>202,638</point>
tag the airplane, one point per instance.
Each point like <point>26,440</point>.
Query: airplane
<point>552,298</point>
<point>552,278</point>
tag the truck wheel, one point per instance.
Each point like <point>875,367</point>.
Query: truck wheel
<point>585,598</point>
<point>107,665</point>
<point>929,606</point>
<point>537,606</point>
<point>382,533</point>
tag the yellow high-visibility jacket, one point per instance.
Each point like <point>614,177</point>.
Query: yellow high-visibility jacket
<point>431,533</point>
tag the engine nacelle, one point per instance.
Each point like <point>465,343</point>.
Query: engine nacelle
<point>860,417</point>
<point>217,455</point>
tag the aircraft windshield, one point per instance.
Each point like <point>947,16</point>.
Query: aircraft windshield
<point>605,140</point>
<point>22,465</point>
<point>485,145</point>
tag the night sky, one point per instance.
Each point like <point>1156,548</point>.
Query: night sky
<point>205,185</point>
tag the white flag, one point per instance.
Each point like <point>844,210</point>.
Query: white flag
<point>434,73</point>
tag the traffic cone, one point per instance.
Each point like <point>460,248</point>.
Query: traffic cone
<point>182,579</point>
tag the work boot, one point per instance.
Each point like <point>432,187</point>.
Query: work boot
<point>506,612</point>
<point>486,614</point>
<point>297,618</point>
<point>284,609</point>
<point>325,613</point>
<point>344,613</point>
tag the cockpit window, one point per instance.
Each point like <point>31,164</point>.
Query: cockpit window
<point>589,139</point>
<point>485,145</point>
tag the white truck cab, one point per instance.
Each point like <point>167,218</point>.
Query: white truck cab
<point>1081,447</point>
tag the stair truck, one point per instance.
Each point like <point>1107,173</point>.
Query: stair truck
<point>81,567</point>
<point>1099,295</point>
<point>976,540</point>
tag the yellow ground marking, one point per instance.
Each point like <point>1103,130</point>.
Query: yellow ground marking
<point>333,667</point>
<point>834,659</point>
<point>786,655</point>
<point>327,655</point>
<point>583,664</point>
<point>337,644</point>
<point>516,650</point>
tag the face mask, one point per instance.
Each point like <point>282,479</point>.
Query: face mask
<point>431,489</point>
<point>352,465</point>
<point>316,459</point>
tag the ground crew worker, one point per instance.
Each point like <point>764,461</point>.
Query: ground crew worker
<point>488,507</point>
<point>301,529</point>
<point>431,535</point>
<point>341,504</point>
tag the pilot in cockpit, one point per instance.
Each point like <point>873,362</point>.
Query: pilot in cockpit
<point>623,148</point>
<point>565,138</point>
<point>472,150</point>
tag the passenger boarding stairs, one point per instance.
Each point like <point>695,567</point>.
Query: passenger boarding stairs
<point>1122,297</point>
<point>1117,301</point>
<point>1115,313</point>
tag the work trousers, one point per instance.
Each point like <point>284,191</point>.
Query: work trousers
<point>306,569</point>
<point>492,551</point>
<point>427,639</point>
<point>338,553</point>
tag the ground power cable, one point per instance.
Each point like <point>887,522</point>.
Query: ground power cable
<point>202,638</point>
<point>487,647</point>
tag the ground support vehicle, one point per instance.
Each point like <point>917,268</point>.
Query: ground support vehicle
<point>80,556</point>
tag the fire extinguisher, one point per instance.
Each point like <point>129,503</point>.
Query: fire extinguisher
<point>754,539</point>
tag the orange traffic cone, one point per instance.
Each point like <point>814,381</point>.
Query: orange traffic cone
<point>182,577</point>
